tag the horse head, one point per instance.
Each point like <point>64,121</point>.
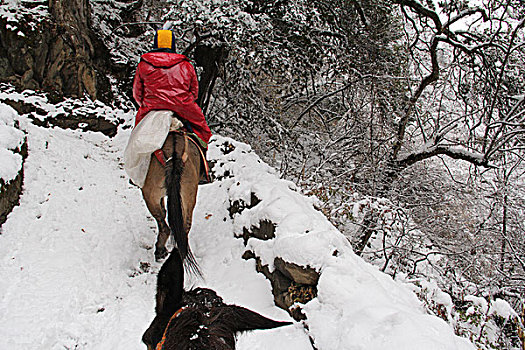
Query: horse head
<point>196,319</point>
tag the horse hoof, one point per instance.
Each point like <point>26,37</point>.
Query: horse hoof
<point>161,254</point>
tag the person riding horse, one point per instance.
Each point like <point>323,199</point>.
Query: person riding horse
<point>165,86</point>
<point>165,80</point>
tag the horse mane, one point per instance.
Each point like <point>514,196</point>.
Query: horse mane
<point>216,327</point>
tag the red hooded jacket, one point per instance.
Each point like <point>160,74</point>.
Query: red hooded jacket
<point>167,80</point>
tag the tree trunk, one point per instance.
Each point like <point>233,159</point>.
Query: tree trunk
<point>73,65</point>
<point>60,55</point>
<point>504,232</point>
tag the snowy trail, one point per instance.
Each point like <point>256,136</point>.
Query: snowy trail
<point>76,266</point>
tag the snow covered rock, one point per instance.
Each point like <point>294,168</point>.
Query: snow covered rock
<point>13,150</point>
<point>37,50</point>
<point>297,273</point>
<point>85,115</point>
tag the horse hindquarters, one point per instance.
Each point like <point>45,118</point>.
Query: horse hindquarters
<point>178,180</point>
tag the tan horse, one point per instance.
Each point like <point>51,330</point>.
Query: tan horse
<point>178,180</point>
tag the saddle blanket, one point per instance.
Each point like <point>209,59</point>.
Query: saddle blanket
<point>147,137</point>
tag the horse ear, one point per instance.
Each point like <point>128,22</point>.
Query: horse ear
<point>170,284</point>
<point>242,319</point>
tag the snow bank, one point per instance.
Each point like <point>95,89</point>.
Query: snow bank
<point>502,308</point>
<point>11,140</point>
<point>77,269</point>
<point>357,306</point>
<point>69,106</point>
<point>70,253</point>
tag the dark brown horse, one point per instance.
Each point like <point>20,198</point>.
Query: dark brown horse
<point>178,179</point>
<point>197,319</point>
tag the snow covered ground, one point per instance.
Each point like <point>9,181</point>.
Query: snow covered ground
<point>77,269</point>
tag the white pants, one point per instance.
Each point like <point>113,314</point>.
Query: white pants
<point>147,137</point>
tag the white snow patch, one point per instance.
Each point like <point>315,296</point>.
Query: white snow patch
<point>502,308</point>
<point>15,11</point>
<point>357,306</point>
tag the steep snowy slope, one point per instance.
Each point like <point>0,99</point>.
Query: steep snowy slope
<point>77,270</point>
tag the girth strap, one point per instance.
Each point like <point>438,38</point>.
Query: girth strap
<point>203,157</point>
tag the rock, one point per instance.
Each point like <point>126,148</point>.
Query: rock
<point>292,284</point>
<point>297,313</point>
<point>287,292</point>
<point>227,148</point>
<point>59,53</point>
<point>72,120</point>
<point>265,231</point>
<point>84,123</point>
<point>299,274</point>
<point>24,108</point>
<point>248,255</point>
<point>236,207</point>
<point>280,285</point>
<point>10,192</point>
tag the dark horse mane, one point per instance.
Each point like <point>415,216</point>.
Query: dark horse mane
<point>203,320</point>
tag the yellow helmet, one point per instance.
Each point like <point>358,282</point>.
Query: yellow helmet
<point>164,39</point>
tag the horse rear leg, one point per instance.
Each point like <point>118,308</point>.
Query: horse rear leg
<point>156,207</point>
<point>164,233</point>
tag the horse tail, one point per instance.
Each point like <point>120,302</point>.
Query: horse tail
<point>174,170</point>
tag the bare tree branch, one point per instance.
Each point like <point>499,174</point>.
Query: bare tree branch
<point>453,152</point>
